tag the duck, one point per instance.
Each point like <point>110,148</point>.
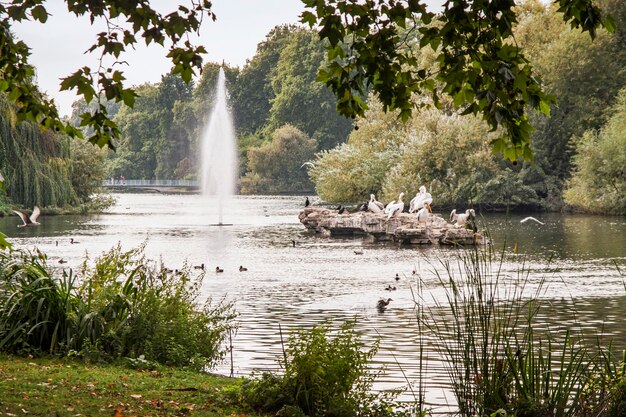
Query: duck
<point>390,288</point>
<point>382,304</point>
<point>462,218</point>
<point>73,242</point>
<point>62,261</point>
<point>218,270</point>
<point>394,207</point>
<point>375,206</point>
<point>358,252</point>
<point>26,220</point>
<point>242,268</point>
<point>201,266</point>
<point>397,278</point>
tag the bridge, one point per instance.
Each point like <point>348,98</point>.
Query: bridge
<point>153,185</point>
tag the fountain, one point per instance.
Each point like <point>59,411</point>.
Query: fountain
<point>219,157</point>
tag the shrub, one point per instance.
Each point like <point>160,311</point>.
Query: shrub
<point>324,375</point>
<point>125,306</point>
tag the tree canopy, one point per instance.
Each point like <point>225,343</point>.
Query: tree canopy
<point>372,46</point>
<point>105,82</point>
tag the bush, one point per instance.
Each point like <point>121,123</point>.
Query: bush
<point>324,375</point>
<point>124,307</point>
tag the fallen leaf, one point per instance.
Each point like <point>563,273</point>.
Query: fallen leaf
<point>135,396</point>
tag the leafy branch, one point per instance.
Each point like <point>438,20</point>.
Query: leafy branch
<point>479,63</point>
<point>105,83</point>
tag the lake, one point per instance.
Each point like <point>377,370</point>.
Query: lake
<point>579,258</point>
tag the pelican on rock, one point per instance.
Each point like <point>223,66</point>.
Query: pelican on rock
<point>375,206</point>
<point>462,218</point>
<point>394,207</point>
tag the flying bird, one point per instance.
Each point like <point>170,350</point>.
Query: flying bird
<point>28,221</point>
<point>531,218</point>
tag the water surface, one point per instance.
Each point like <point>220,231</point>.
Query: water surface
<point>578,257</point>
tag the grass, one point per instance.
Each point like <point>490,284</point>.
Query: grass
<point>45,387</point>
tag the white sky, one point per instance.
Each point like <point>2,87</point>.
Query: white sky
<point>58,46</point>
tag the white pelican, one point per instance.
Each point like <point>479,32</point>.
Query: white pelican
<point>420,199</point>
<point>462,218</point>
<point>530,218</point>
<point>375,206</point>
<point>28,221</point>
<point>394,208</point>
<point>424,213</point>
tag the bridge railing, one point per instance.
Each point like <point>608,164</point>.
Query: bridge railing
<point>150,183</point>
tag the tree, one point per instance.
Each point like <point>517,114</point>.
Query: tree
<point>598,183</point>
<point>105,82</point>
<point>276,166</point>
<point>372,44</point>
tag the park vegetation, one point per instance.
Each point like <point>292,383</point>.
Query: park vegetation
<point>501,360</point>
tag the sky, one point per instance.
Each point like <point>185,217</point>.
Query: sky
<point>58,46</point>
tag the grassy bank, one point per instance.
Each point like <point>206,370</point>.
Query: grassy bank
<point>44,387</point>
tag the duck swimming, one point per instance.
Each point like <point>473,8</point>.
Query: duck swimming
<point>382,304</point>
<point>218,269</point>
<point>242,268</point>
<point>201,266</point>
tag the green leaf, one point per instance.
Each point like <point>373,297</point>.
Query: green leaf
<point>39,13</point>
<point>4,244</point>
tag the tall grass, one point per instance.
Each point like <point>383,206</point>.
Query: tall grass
<point>498,357</point>
<point>122,306</point>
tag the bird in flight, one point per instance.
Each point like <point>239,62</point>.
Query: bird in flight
<point>531,218</point>
<point>28,221</point>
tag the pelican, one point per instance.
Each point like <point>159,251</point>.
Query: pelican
<point>422,217</point>
<point>530,218</point>
<point>420,199</point>
<point>394,208</point>
<point>375,206</point>
<point>462,218</point>
<point>28,221</point>
<point>242,268</point>
<point>382,304</point>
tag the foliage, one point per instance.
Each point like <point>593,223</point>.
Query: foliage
<point>301,101</point>
<point>500,358</point>
<point>123,307</point>
<point>44,168</point>
<point>324,375</point>
<point>598,183</point>
<point>478,66</point>
<point>141,21</point>
<point>276,166</point>
<point>568,62</point>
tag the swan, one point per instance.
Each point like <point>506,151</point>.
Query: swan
<point>375,206</point>
<point>420,199</point>
<point>28,221</point>
<point>462,218</point>
<point>530,218</point>
<point>394,208</point>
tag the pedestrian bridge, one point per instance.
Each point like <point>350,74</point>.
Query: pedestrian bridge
<point>157,185</point>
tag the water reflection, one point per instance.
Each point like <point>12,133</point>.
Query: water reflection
<point>322,278</point>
